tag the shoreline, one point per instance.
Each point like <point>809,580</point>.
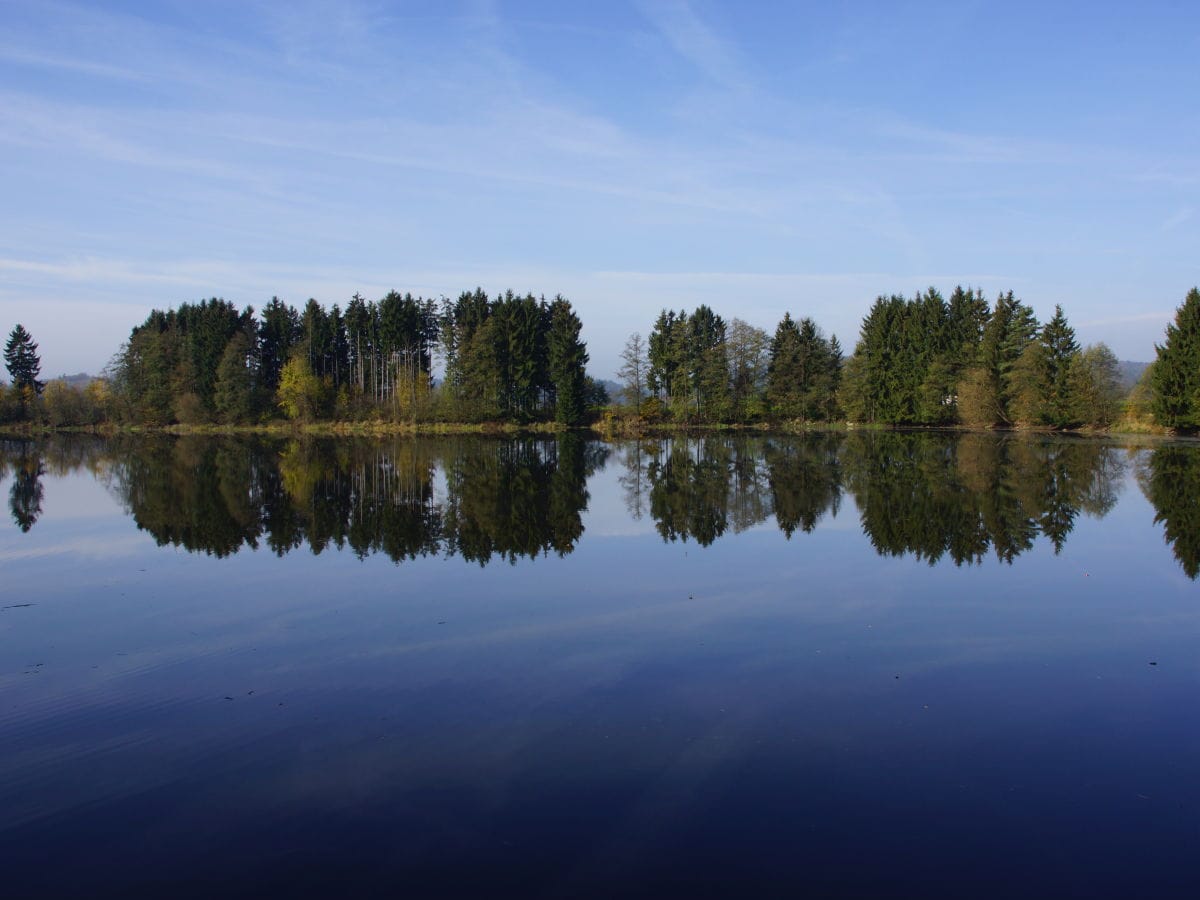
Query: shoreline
<point>609,430</point>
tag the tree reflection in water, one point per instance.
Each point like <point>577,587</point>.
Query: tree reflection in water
<point>932,495</point>
<point>1170,479</point>
<point>25,495</point>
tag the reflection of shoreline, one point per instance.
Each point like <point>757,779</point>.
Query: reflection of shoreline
<point>932,495</point>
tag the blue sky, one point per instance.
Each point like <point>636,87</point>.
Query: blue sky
<point>758,157</point>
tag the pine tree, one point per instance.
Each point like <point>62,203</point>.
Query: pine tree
<point>568,358</point>
<point>876,383</point>
<point>22,361</point>
<point>278,332</point>
<point>783,372</point>
<point>1058,342</point>
<point>1176,377</point>
<point>233,396</point>
<point>708,364</point>
<point>991,386</point>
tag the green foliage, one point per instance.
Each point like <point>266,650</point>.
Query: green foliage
<point>520,359</point>
<point>167,371</point>
<point>22,360</point>
<point>689,491</point>
<point>26,494</point>
<point>1176,378</point>
<point>234,397</point>
<point>978,398</point>
<point>1038,385</point>
<point>568,358</point>
<point>511,358</point>
<point>936,495</point>
<point>690,366</point>
<point>301,394</point>
<point>1010,329</point>
<point>1139,405</point>
<point>278,332</point>
<point>748,350</point>
<point>67,406</point>
<point>12,403</point>
<point>803,371</point>
<point>1029,388</point>
<point>24,365</point>
<point>189,409</point>
<point>1171,482</point>
<point>931,495</point>
<point>664,352</point>
<point>1058,341</point>
<point>805,478</point>
<point>1093,387</point>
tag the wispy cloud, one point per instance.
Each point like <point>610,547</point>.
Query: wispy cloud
<point>157,154</point>
<point>696,41</point>
<point>16,56</point>
<point>1182,216</point>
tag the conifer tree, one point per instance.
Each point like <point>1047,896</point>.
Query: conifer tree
<point>568,359</point>
<point>989,388</point>
<point>782,370</point>
<point>709,366</point>
<point>1176,372</point>
<point>233,397</point>
<point>1058,340</point>
<point>22,361</point>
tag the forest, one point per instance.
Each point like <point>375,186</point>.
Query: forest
<point>518,360</point>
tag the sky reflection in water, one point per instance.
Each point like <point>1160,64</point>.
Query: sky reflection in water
<point>842,663</point>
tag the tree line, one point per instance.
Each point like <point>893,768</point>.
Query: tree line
<point>697,369</point>
<point>925,360</point>
<point>504,358</point>
<point>920,361</point>
<point>932,361</point>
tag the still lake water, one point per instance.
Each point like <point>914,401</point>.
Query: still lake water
<point>864,664</point>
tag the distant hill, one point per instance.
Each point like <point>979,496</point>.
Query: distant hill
<point>1131,372</point>
<point>79,380</point>
<point>614,388</point>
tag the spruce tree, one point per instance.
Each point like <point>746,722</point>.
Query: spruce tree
<point>233,396</point>
<point>22,361</point>
<point>783,371</point>
<point>1058,342</point>
<point>1176,377</point>
<point>568,357</point>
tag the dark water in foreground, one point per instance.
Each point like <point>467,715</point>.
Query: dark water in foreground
<point>891,665</point>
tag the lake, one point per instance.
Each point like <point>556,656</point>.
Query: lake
<point>830,665</point>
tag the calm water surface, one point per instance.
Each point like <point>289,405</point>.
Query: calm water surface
<point>836,665</point>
